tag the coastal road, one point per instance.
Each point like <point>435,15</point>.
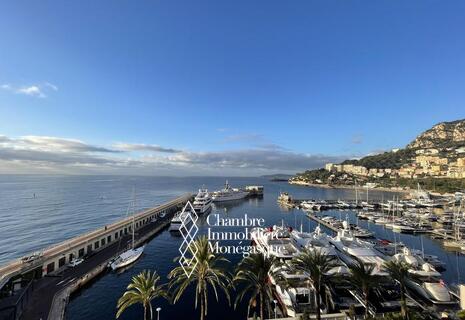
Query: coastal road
<point>46,288</point>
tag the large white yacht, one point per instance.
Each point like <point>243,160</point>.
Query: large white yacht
<point>177,220</point>
<point>352,249</point>
<point>202,201</point>
<point>293,289</point>
<point>275,241</point>
<point>320,241</point>
<point>425,280</point>
<point>228,193</point>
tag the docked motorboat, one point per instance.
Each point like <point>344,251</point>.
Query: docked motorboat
<point>176,222</point>
<point>418,267</point>
<point>320,241</point>
<point>382,221</point>
<point>368,206</point>
<point>352,249</point>
<point>431,259</point>
<point>275,241</point>
<point>432,289</point>
<point>310,205</point>
<point>202,201</point>
<point>184,218</point>
<point>403,228</point>
<point>293,289</point>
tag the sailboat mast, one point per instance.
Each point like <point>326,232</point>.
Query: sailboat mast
<point>133,215</point>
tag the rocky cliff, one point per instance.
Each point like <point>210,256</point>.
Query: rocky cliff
<point>442,135</point>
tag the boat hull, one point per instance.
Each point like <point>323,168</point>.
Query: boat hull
<point>135,255</point>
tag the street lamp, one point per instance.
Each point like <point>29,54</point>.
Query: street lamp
<point>275,307</point>
<point>158,313</point>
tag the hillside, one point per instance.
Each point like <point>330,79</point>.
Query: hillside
<point>437,153</point>
<point>391,160</point>
<point>443,135</point>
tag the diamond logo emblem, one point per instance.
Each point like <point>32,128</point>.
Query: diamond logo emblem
<point>188,230</point>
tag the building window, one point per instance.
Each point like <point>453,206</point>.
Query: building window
<point>89,249</point>
<point>51,267</point>
<point>103,242</point>
<point>109,239</point>
<point>96,245</point>
<point>116,235</point>
<point>61,262</point>
<point>81,252</point>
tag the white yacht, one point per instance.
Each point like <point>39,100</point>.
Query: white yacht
<point>310,205</point>
<point>292,289</point>
<point>176,222</point>
<point>403,228</point>
<point>418,267</point>
<point>131,255</point>
<point>202,201</point>
<point>318,240</point>
<point>352,249</point>
<point>425,280</point>
<point>432,289</point>
<point>275,241</point>
<point>228,194</point>
<point>185,217</point>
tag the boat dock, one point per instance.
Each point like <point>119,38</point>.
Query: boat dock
<point>43,281</point>
<point>322,222</point>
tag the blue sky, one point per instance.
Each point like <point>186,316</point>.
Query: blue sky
<point>229,87</point>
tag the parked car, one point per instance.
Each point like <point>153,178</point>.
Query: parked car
<point>76,262</point>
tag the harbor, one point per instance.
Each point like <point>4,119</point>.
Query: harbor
<point>69,291</point>
<point>43,281</point>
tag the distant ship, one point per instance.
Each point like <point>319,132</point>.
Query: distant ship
<point>228,194</point>
<point>202,201</point>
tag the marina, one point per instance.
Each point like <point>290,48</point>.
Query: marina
<point>50,275</point>
<point>79,284</point>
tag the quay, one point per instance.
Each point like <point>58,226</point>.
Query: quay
<point>322,222</point>
<point>38,286</point>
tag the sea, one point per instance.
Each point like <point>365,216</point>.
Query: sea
<point>37,211</point>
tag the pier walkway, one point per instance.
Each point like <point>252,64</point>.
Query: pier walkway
<point>51,292</point>
<point>322,222</point>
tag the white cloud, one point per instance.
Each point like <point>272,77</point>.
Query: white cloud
<point>35,154</point>
<point>51,86</point>
<point>35,90</point>
<point>144,147</point>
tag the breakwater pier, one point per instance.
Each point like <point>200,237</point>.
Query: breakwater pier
<point>38,286</point>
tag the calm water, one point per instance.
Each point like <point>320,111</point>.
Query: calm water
<point>67,206</point>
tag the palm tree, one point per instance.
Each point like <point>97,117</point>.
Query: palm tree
<point>252,276</point>
<point>205,273</point>
<point>362,276</point>
<point>317,264</point>
<point>143,289</point>
<point>398,270</point>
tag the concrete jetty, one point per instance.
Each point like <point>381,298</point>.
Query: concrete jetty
<point>49,274</point>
